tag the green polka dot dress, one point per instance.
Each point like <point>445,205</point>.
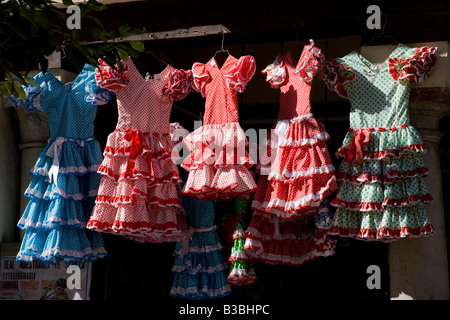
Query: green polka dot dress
<point>382,193</point>
<point>241,266</point>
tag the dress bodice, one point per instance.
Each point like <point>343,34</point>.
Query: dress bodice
<point>379,93</point>
<point>294,80</point>
<point>71,107</point>
<point>220,85</point>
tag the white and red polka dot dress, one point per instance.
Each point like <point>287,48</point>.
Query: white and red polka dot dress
<point>296,173</point>
<point>218,162</point>
<point>138,195</point>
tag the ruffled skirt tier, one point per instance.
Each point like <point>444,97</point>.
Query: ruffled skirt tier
<point>200,267</point>
<point>62,195</point>
<point>241,266</point>
<point>290,242</point>
<point>383,198</point>
<point>296,171</point>
<point>218,163</point>
<point>296,176</point>
<point>138,196</point>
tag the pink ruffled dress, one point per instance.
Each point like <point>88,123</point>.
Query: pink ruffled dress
<point>218,162</point>
<point>138,195</point>
<point>296,172</point>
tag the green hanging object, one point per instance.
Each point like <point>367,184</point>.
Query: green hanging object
<point>241,268</point>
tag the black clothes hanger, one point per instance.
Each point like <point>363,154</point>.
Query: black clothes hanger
<point>223,54</point>
<point>381,36</point>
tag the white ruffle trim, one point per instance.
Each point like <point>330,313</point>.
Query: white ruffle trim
<point>277,237</point>
<point>49,223</point>
<point>239,255</point>
<point>275,73</point>
<point>271,258</point>
<point>313,201</point>
<point>66,170</point>
<point>200,292</point>
<point>243,273</point>
<point>290,175</point>
<point>50,195</point>
<point>201,249</point>
<point>188,269</point>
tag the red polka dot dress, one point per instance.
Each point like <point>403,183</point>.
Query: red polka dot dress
<point>218,162</point>
<point>139,191</point>
<point>296,172</point>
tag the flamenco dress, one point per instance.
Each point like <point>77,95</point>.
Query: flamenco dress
<point>200,267</point>
<point>382,190</point>
<point>296,172</point>
<point>138,196</point>
<point>242,270</point>
<point>64,181</point>
<point>218,162</point>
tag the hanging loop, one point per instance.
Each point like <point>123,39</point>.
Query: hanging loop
<point>222,49</point>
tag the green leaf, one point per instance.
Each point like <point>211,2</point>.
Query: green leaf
<point>124,30</point>
<point>133,53</point>
<point>31,81</point>
<point>137,45</point>
<point>40,18</point>
<point>120,65</point>
<point>109,33</point>
<point>99,34</point>
<point>4,89</point>
<point>96,20</point>
<point>137,32</point>
<point>123,54</point>
<point>19,92</point>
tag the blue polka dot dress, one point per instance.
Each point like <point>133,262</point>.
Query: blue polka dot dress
<point>200,265</point>
<point>64,186</point>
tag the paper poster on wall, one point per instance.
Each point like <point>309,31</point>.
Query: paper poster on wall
<point>39,280</point>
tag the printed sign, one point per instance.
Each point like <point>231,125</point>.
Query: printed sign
<point>39,280</point>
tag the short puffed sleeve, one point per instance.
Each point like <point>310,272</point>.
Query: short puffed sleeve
<point>275,73</point>
<point>35,94</point>
<point>111,78</point>
<point>311,63</point>
<point>417,67</point>
<point>335,75</point>
<point>200,77</point>
<point>180,84</point>
<point>240,73</point>
<point>97,95</point>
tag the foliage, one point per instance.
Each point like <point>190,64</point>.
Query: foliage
<point>30,30</point>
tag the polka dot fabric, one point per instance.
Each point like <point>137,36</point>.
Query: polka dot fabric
<point>292,242</point>
<point>382,191</point>
<point>297,175</point>
<point>200,265</point>
<point>218,162</point>
<point>65,179</point>
<point>242,271</point>
<point>299,172</point>
<point>138,196</point>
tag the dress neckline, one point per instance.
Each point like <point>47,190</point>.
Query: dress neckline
<point>369,63</point>
<point>150,80</point>
<point>289,59</point>
<point>214,64</point>
<point>69,85</point>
